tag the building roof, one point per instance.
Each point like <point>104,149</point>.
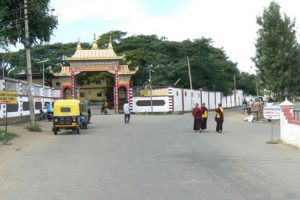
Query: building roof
<point>125,71</point>
<point>24,76</point>
<point>65,71</point>
<point>95,53</point>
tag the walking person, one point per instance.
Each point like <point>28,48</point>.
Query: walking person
<point>126,110</point>
<point>257,109</point>
<point>219,118</point>
<point>204,116</point>
<point>104,107</point>
<point>89,115</point>
<point>197,114</point>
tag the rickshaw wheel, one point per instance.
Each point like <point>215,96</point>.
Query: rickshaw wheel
<point>55,131</point>
<point>77,130</point>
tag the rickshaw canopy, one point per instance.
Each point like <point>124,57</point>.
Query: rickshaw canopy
<point>66,107</point>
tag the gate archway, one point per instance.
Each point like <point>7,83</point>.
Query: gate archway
<point>67,93</point>
<point>97,60</point>
<point>122,93</point>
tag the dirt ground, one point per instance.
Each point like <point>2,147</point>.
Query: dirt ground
<point>25,138</point>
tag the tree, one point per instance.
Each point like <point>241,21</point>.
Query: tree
<point>41,22</point>
<point>142,51</point>
<point>115,36</point>
<point>13,14</point>
<point>210,66</point>
<point>276,51</point>
<point>247,82</point>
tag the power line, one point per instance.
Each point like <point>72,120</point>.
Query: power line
<point>34,9</point>
<point>168,73</point>
<point>12,11</point>
<point>7,23</point>
<point>9,28</point>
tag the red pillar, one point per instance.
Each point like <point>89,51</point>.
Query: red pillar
<point>116,92</point>
<point>73,82</point>
<point>61,92</point>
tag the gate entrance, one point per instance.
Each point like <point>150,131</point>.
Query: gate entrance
<point>122,97</point>
<point>97,60</point>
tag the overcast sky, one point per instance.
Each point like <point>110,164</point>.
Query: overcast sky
<point>231,24</point>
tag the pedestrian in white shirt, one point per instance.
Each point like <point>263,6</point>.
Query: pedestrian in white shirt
<point>126,110</point>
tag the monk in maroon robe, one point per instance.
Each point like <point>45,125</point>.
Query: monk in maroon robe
<point>197,114</point>
<point>219,118</point>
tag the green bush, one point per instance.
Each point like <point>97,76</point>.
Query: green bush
<point>34,128</point>
<point>5,137</point>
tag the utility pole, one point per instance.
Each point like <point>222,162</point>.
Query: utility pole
<point>28,62</point>
<point>150,82</point>
<point>43,61</point>
<point>234,82</point>
<point>2,65</point>
<point>256,88</point>
<point>190,76</point>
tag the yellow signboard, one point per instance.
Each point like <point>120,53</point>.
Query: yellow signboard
<point>8,97</point>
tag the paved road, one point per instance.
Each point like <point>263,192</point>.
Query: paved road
<point>157,158</point>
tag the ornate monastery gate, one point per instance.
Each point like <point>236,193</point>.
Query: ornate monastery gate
<point>97,60</point>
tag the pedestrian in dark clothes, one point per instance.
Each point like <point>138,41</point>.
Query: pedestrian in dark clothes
<point>204,116</point>
<point>89,115</point>
<point>219,118</point>
<point>197,114</point>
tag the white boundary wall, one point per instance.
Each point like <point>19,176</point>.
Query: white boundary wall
<point>183,100</point>
<point>178,96</point>
<point>41,96</point>
<point>289,128</point>
<point>147,108</point>
<point>176,100</point>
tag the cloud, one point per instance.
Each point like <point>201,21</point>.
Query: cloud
<point>70,11</point>
<point>231,24</point>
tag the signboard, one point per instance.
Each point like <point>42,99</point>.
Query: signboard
<point>8,97</point>
<point>272,112</point>
<point>123,79</point>
<point>96,68</point>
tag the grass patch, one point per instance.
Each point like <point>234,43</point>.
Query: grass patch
<point>34,128</point>
<point>5,137</point>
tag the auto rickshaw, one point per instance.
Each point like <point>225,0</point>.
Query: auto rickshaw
<point>69,115</point>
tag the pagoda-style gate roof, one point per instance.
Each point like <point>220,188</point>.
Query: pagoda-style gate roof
<point>95,53</point>
<point>95,59</point>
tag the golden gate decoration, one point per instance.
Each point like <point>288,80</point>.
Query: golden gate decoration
<point>96,60</point>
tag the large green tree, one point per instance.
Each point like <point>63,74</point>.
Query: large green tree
<point>115,36</point>
<point>29,23</point>
<point>247,82</point>
<point>42,22</point>
<point>276,51</point>
<point>210,67</point>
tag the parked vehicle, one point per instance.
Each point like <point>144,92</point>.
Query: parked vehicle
<point>248,110</point>
<point>69,115</point>
<point>41,116</point>
<point>49,111</point>
<point>84,114</point>
<point>49,116</point>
